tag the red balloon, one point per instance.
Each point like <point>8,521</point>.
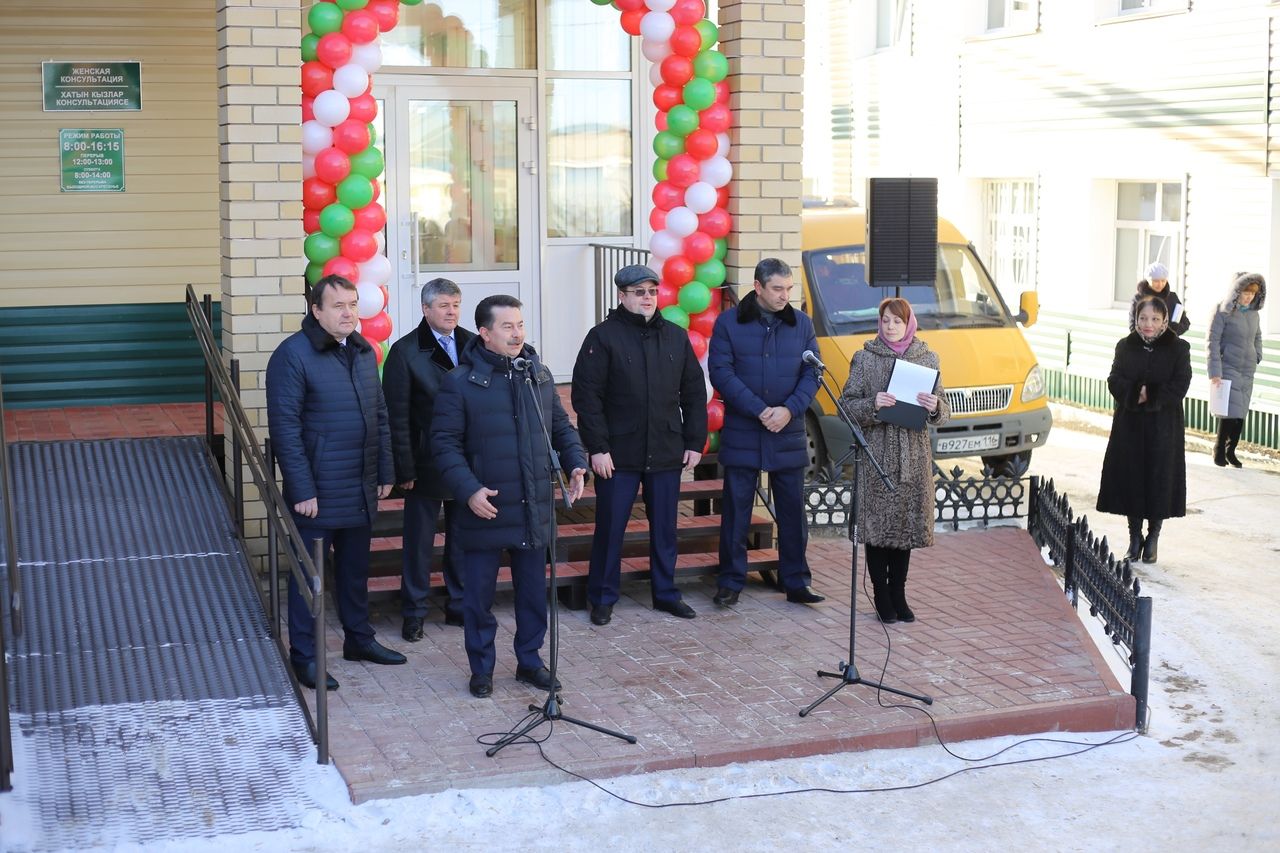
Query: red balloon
<point>722,92</point>
<point>631,20</point>
<point>699,247</point>
<point>704,322</point>
<point>310,221</point>
<point>677,270</point>
<point>371,218</point>
<point>699,343</point>
<point>386,296</point>
<point>715,415</point>
<point>660,120</point>
<point>377,188</point>
<point>352,136</point>
<point>701,144</point>
<point>676,70</point>
<point>667,96</point>
<point>657,219</point>
<point>376,328</point>
<point>334,50</point>
<point>387,13</point>
<point>377,352</point>
<point>363,108</point>
<point>688,11</point>
<point>308,108</point>
<point>359,245</point>
<point>316,78</point>
<point>716,222</point>
<point>722,197</point>
<point>629,5</point>
<point>345,267</point>
<point>360,26</point>
<point>668,294</point>
<point>682,170</point>
<point>667,195</point>
<point>715,118</point>
<point>317,194</point>
<point>686,41</point>
<point>332,165</point>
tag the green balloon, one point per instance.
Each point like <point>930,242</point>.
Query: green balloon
<point>711,273</point>
<point>309,42</point>
<point>710,33</point>
<point>373,133</point>
<point>324,18</point>
<point>411,2</point>
<point>682,120</point>
<point>667,145</point>
<point>320,247</point>
<point>694,297</point>
<point>352,5</point>
<point>712,65</point>
<point>660,169</point>
<point>676,314</point>
<point>722,248</point>
<point>368,162</point>
<point>602,2</point>
<point>337,219</point>
<point>714,442</point>
<point>314,272</point>
<point>355,191</point>
<point>699,93</point>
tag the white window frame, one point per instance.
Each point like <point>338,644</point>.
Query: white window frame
<point>1109,11</point>
<point>1015,16</point>
<point>1010,207</point>
<point>1174,230</point>
<point>891,20</point>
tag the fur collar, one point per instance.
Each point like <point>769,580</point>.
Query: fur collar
<point>322,340</point>
<point>749,311</point>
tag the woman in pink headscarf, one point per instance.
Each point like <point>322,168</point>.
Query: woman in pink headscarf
<point>891,524</point>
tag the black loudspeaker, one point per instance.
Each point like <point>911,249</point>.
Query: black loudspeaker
<point>902,232</point>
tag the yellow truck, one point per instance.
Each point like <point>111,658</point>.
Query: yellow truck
<point>992,380</point>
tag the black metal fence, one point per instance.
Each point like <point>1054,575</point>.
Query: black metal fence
<point>12,609</point>
<point>958,500</point>
<point>608,260</point>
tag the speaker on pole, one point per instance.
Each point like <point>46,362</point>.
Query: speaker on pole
<point>902,232</point>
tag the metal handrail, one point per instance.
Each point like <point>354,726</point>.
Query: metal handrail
<point>305,567</point>
<point>15,603</point>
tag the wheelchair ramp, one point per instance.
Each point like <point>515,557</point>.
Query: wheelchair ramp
<point>149,699</point>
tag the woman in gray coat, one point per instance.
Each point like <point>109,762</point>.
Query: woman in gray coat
<point>1235,348</point>
<point>893,523</point>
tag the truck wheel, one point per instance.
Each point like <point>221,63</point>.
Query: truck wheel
<point>816,447</point>
<point>1014,465</point>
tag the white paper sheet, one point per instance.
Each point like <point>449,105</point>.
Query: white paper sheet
<point>1220,398</point>
<point>1177,313</point>
<point>909,379</point>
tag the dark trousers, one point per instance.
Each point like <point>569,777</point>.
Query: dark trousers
<point>735,519</point>
<point>614,497</point>
<point>420,516</point>
<point>351,589</point>
<point>529,577</point>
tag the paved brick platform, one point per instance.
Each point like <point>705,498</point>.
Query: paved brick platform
<point>995,645</point>
<point>83,423</point>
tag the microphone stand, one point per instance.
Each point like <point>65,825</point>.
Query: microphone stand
<point>549,710</point>
<point>848,673</point>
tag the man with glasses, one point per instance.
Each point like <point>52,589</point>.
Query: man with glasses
<point>641,402</point>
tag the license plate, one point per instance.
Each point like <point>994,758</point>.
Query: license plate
<point>968,443</point>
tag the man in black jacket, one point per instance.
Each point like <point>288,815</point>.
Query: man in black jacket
<point>411,378</point>
<point>641,402</point>
<point>493,456</point>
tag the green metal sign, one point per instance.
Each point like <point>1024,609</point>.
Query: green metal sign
<point>91,86</point>
<point>92,160</point>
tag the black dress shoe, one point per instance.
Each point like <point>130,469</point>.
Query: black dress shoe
<point>453,616</point>
<point>306,673</point>
<point>725,597</point>
<point>374,652</point>
<point>675,608</point>
<point>481,686</point>
<point>804,595</point>
<point>411,630</point>
<point>539,678</point>
<point>601,614</point>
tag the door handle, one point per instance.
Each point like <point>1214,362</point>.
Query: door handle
<point>415,247</point>
<point>531,165</point>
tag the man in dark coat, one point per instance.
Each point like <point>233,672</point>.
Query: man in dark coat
<point>756,363</point>
<point>411,378</point>
<point>493,456</point>
<point>641,402</point>
<point>328,425</point>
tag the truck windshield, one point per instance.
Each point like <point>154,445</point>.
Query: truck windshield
<point>963,295</point>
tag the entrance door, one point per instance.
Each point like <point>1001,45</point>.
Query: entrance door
<point>461,189</point>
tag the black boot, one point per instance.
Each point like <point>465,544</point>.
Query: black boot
<point>1233,438</point>
<point>1152,541</point>
<point>1220,446</point>
<point>1135,539</point>
<point>898,588</point>
<point>879,574</point>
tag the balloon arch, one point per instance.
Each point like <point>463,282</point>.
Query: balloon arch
<point>341,165</point>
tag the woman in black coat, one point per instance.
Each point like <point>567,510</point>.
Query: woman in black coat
<point>1157,284</point>
<point>1144,472</point>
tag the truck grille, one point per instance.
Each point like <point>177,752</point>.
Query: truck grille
<point>972,401</point>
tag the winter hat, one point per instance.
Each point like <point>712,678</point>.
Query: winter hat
<point>632,275</point>
<point>1157,270</point>
<point>1245,279</point>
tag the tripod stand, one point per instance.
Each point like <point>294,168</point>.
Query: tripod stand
<point>848,673</point>
<point>549,710</point>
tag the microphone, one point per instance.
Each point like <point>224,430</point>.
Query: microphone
<point>521,363</point>
<point>809,358</point>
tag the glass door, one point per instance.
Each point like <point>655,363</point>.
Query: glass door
<point>461,191</point>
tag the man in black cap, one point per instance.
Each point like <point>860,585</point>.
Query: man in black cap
<point>641,402</point>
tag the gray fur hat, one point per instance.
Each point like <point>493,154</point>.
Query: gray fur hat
<point>1242,281</point>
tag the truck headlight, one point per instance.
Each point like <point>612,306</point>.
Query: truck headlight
<point>1033,385</point>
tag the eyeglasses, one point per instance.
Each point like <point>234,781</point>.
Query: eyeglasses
<point>643,291</point>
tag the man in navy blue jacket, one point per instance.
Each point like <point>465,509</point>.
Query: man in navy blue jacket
<point>328,424</point>
<point>493,457</point>
<point>756,363</point>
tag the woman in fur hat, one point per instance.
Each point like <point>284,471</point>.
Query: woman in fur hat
<point>1235,349</point>
<point>1157,284</point>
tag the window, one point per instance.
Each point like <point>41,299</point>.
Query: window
<point>1148,229</point>
<point>463,34</point>
<point>1123,8</point>
<point>1012,15</point>
<point>891,16</point>
<point>1011,234</point>
<point>588,158</point>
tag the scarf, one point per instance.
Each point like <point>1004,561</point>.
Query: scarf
<point>900,347</point>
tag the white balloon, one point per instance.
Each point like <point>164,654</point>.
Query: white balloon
<point>716,171</point>
<point>681,221</point>
<point>368,56</point>
<point>657,26</point>
<point>660,5</point>
<point>706,372</point>
<point>370,299</point>
<point>351,80</point>
<point>665,245</point>
<point>700,197</point>
<point>331,108</point>
<point>381,239</point>
<point>722,145</point>
<point>308,166</point>
<point>315,137</point>
<point>655,51</point>
<point>655,75</point>
<point>376,270</point>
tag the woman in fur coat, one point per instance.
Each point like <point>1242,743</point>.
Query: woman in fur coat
<point>1235,349</point>
<point>1157,284</point>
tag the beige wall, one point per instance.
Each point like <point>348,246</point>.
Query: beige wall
<point>147,243</point>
